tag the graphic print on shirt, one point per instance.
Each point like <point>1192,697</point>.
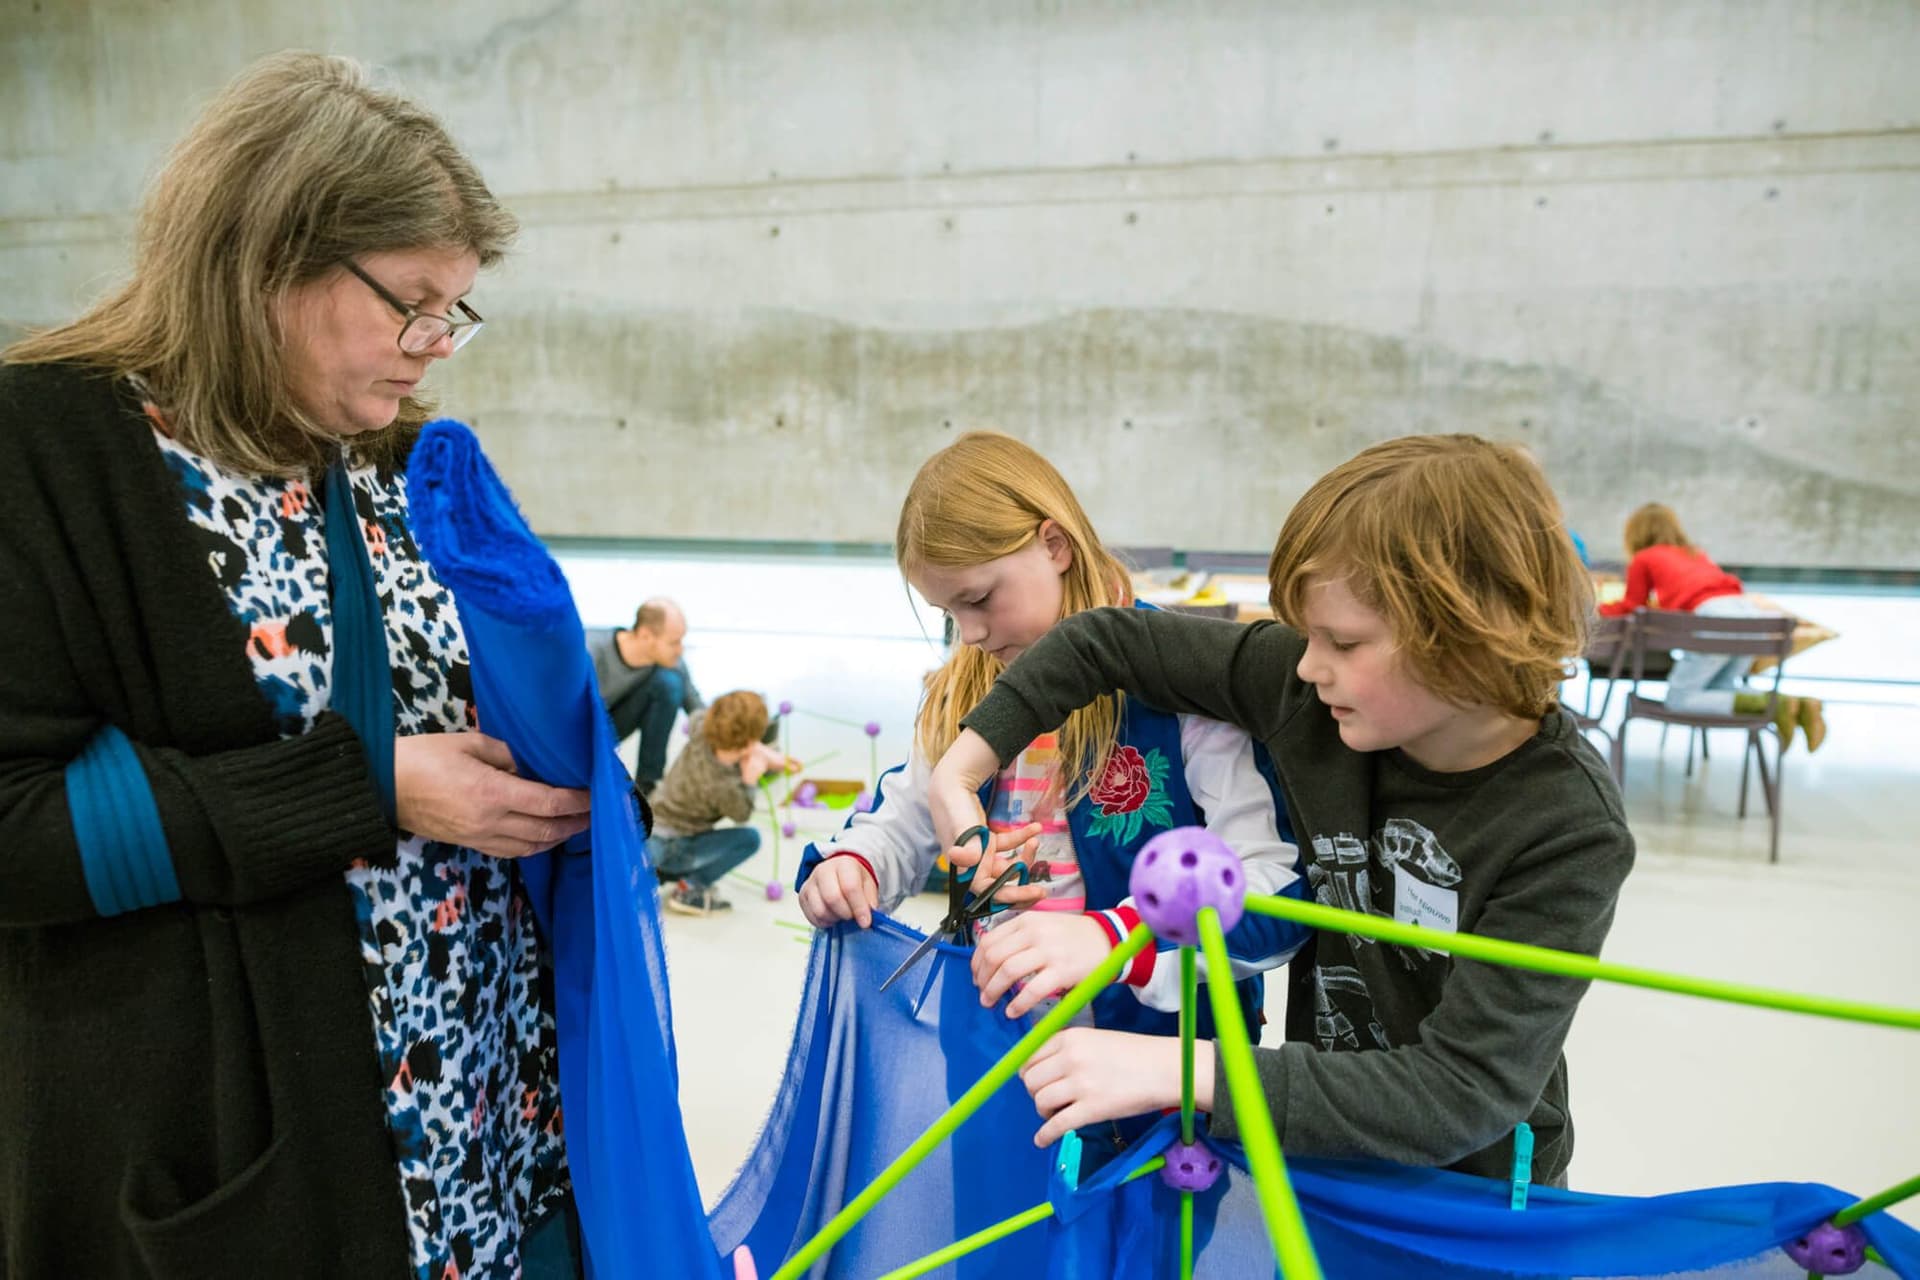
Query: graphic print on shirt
<point>1425,893</point>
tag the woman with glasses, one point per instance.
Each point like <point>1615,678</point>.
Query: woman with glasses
<point>270,994</point>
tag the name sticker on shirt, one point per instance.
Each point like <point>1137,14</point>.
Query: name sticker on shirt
<point>1416,902</point>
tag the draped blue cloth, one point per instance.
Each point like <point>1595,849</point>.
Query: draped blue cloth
<point>868,1070</point>
<point>597,901</point>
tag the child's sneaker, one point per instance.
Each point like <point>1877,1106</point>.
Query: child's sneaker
<point>692,900</point>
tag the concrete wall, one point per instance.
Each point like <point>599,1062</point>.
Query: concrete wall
<point>777,253</point>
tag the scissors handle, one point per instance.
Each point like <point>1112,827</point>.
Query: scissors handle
<point>985,837</point>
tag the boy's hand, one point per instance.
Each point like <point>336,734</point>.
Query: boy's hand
<point>953,789</point>
<point>1083,1076</point>
<point>839,889</point>
<point>1047,950</point>
<point>759,758</point>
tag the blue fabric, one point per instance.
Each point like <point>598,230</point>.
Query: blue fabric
<point>362,674</point>
<point>869,1071</point>
<point>597,902</point>
<point>123,847</point>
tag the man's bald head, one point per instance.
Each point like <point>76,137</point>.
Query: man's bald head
<point>661,629</point>
<point>654,615</point>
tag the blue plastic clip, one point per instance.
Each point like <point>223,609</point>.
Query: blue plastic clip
<point>1069,1165</point>
<point>1522,1163</point>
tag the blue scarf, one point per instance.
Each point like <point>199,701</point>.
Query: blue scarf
<point>124,854</point>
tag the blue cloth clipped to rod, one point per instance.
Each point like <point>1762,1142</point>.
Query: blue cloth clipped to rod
<point>597,901</point>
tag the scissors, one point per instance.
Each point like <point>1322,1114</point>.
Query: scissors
<point>957,926</point>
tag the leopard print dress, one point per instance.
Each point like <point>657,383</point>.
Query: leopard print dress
<point>463,1029</point>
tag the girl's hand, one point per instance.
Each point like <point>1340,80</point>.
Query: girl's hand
<point>1003,848</point>
<point>1082,1076</point>
<point>839,889</point>
<point>743,1264</point>
<point>1047,950</point>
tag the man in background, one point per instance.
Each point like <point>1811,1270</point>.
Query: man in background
<point>644,682</point>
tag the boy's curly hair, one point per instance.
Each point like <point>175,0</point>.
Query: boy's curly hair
<point>1461,545</point>
<point>735,720</point>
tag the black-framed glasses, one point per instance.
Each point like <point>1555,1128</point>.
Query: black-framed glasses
<point>422,329</point>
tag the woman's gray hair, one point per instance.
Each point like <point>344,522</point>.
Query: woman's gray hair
<point>299,163</point>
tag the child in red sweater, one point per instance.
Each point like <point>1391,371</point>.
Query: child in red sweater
<point>1677,575</point>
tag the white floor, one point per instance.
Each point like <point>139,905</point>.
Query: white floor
<point>1671,1093</point>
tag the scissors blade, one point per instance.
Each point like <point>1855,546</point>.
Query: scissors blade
<point>918,953</point>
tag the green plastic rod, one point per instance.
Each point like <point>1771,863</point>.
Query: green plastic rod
<point>1189,1022</point>
<point>954,1116</point>
<point>1291,1247</point>
<point>998,1231</point>
<point>1186,1235</point>
<point>1874,1204</point>
<point>1567,964</point>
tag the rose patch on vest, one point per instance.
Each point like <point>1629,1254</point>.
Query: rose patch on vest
<point>1131,792</point>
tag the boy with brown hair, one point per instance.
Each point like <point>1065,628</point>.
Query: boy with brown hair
<point>715,776</point>
<point>1429,602</point>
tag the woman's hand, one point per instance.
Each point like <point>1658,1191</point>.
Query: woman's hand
<point>840,888</point>
<point>460,788</point>
<point>1082,1076</point>
<point>1049,951</point>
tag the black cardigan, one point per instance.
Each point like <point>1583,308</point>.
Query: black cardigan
<point>191,1089</point>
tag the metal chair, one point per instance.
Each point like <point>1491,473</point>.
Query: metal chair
<point>1655,631</point>
<point>1228,611</point>
<point>1607,647</point>
<point>1229,561</point>
<point>1146,557</point>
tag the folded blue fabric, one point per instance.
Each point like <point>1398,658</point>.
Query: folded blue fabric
<point>597,901</point>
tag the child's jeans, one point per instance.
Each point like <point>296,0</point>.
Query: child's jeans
<point>702,858</point>
<point>1704,683</point>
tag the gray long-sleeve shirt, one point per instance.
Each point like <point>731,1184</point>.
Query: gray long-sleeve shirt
<point>1391,1052</point>
<point>617,680</point>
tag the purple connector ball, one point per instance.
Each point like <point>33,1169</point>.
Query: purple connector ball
<point>863,803</point>
<point>1828,1250</point>
<point>805,794</point>
<point>786,708</point>
<point>774,891</point>
<point>873,728</point>
<point>787,829</point>
<point>1190,1168</point>
<point>1178,873</point>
